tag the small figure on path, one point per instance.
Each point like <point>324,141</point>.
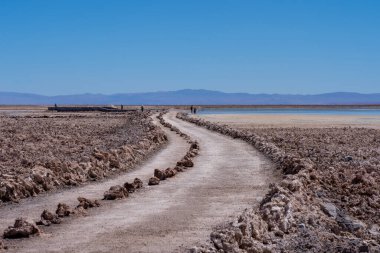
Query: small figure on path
<point>142,108</point>
<point>191,109</point>
<point>195,110</point>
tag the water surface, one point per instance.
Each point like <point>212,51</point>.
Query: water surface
<point>301,111</point>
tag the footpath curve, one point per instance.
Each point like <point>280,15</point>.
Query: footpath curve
<point>228,176</point>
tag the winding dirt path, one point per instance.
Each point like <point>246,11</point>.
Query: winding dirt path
<point>229,175</point>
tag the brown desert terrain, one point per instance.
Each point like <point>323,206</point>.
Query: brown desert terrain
<point>168,182</point>
<point>170,202</point>
<point>328,199</point>
<point>43,151</point>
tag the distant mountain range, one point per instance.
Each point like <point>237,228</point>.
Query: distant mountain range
<point>187,97</point>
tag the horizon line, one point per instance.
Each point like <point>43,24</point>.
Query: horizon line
<point>166,91</point>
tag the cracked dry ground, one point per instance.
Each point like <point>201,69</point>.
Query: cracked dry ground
<point>228,176</point>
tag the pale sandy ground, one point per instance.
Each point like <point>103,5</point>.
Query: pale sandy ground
<point>294,120</point>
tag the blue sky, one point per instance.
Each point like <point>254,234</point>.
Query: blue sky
<point>78,46</point>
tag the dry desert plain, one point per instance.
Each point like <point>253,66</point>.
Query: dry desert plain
<point>329,197</point>
<point>124,182</point>
<point>154,182</point>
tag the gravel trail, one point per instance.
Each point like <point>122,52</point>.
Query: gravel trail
<point>229,175</point>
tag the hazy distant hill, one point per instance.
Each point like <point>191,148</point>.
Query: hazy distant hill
<point>180,97</point>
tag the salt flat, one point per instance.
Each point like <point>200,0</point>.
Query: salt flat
<point>294,120</point>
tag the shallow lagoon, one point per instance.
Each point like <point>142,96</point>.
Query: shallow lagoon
<point>302,111</point>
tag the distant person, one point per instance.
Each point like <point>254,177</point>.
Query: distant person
<point>191,109</point>
<point>55,105</point>
<point>142,108</point>
<point>195,110</point>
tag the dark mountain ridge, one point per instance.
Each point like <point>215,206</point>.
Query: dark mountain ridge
<point>186,97</point>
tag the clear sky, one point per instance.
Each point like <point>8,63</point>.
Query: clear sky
<point>109,46</point>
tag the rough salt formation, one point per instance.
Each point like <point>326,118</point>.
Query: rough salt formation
<point>328,200</point>
<point>169,172</point>
<point>48,218</point>
<point>63,210</point>
<point>346,161</point>
<point>22,228</point>
<point>154,181</point>
<point>87,203</point>
<point>120,192</point>
<point>171,127</point>
<point>41,153</point>
<point>132,187</point>
<point>160,174</point>
<point>116,192</point>
<point>184,163</point>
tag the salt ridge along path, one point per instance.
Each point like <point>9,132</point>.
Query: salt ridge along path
<point>228,176</point>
